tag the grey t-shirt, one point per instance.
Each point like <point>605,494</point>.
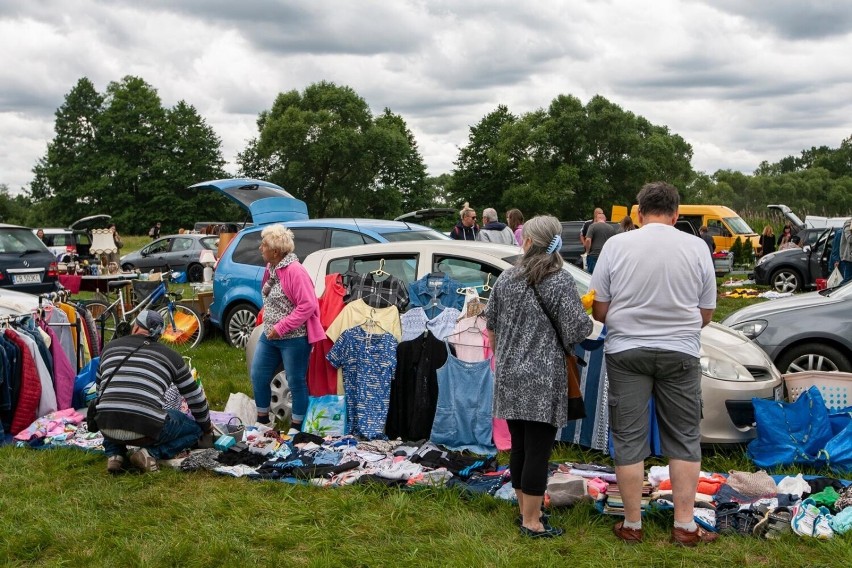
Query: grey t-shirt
<point>599,233</point>
<point>655,280</point>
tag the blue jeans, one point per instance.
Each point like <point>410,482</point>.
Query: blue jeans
<point>591,261</point>
<point>179,433</point>
<point>846,270</point>
<point>293,354</point>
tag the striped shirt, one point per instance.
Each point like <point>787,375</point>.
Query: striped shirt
<point>133,399</point>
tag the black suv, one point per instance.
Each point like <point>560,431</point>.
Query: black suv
<point>26,265</point>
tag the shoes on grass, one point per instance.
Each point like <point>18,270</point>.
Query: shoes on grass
<point>810,520</point>
<point>775,523</point>
<point>548,532</point>
<point>630,536</point>
<point>694,538</point>
<point>143,461</point>
<point>115,464</point>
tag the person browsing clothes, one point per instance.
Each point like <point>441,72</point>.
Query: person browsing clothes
<point>134,374</point>
<point>530,388</point>
<point>291,323</point>
<point>654,306</point>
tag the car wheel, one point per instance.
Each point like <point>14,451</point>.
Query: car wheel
<point>813,357</point>
<point>195,273</point>
<point>785,280</point>
<point>239,324</point>
<point>127,267</point>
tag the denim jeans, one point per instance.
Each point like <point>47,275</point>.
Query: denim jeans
<point>293,354</point>
<point>591,261</point>
<point>179,433</point>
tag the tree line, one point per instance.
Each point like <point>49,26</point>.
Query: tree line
<point>123,153</point>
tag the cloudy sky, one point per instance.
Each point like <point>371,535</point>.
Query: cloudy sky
<point>742,81</point>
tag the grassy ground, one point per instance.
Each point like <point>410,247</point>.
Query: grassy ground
<point>61,508</point>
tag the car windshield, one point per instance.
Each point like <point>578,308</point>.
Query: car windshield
<point>20,240</point>
<point>842,291</point>
<point>738,226</point>
<point>581,278</point>
<point>428,235</point>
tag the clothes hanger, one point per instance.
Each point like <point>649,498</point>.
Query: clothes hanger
<point>380,272</point>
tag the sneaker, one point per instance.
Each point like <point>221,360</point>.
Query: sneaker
<point>144,461</point>
<point>822,526</point>
<point>805,515</point>
<point>726,518</point>
<point>686,538</point>
<point>115,464</point>
<point>630,536</point>
<point>548,532</point>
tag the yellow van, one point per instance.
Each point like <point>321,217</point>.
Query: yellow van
<point>723,223</point>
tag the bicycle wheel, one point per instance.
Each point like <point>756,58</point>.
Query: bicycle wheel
<point>184,330</point>
<point>105,319</point>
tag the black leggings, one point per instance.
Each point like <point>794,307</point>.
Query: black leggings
<point>532,444</point>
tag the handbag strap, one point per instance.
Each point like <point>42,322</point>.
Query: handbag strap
<point>549,317</point>
<point>123,361</point>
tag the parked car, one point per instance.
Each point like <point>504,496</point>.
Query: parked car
<point>239,272</point>
<point>26,264</point>
<point>178,252</point>
<point>73,243</point>
<point>734,370</point>
<point>795,269</point>
<point>806,332</point>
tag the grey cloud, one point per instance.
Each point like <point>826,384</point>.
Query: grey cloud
<point>795,19</point>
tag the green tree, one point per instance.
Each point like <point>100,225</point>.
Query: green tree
<point>324,147</point>
<point>484,172</point>
<point>13,210</point>
<point>71,172</point>
<point>737,251</point>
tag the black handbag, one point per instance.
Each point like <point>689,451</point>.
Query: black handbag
<point>576,407</point>
<point>92,410</point>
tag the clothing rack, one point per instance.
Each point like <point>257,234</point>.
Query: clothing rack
<point>63,296</point>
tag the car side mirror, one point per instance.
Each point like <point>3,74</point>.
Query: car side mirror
<point>144,253</point>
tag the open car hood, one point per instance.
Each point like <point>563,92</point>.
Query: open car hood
<point>89,221</point>
<point>266,202</point>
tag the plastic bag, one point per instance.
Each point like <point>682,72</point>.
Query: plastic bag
<point>326,416</point>
<point>84,384</point>
<point>836,279</point>
<point>790,432</point>
<point>242,406</point>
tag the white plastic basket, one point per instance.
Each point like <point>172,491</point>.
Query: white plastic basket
<point>835,387</point>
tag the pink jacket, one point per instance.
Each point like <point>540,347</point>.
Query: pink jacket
<point>297,285</point>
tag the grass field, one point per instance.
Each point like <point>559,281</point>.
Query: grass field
<point>61,508</point>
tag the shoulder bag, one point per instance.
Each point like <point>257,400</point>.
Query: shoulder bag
<point>92,411</point>
<point>576,408</point>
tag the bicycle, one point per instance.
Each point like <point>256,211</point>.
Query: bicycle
<point>184,328</point>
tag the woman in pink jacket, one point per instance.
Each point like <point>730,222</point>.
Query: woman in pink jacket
<point>291,324</point>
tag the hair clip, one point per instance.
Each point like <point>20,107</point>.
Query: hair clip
<point>555,244</point>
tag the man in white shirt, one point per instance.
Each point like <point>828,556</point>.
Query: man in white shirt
<point>655,289</point>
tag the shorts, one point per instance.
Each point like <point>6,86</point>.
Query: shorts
<point>674,379</point>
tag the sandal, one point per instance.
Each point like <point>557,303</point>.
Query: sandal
<point>746,521</point>
<point>548,532</point>
<point>775,523</point>
<point>545,519</point>
<point>726,518</point>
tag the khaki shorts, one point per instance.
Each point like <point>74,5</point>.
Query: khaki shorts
<point>674,379</point>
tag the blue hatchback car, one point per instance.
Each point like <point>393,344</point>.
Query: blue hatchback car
<point>239,271</point>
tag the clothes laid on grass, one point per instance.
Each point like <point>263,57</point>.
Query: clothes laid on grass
<point>460,464</point>
<point>368,361</point>
<point>463,413</point>
<point>414,390</point>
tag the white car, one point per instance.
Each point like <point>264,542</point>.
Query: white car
<point>734,370</point>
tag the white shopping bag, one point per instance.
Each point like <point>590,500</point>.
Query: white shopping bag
<point>836,279</point>
<point>242,406</point>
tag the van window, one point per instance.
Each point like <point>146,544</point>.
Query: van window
<point>341,238</point>
<point>715,228</point>
<point>738,226</point>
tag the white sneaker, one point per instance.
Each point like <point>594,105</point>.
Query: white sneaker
<point>822,526</point>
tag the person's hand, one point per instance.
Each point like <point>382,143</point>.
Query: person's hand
<point>272,334</point>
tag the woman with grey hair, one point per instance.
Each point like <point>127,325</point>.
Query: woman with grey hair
<point>291,324</point>
<point>531,381</point>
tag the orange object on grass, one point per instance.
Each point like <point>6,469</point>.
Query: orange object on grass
<point>184,327</point>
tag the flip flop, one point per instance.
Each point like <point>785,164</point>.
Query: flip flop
<point>548,532</point>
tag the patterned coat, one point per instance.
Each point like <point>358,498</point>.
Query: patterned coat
<point>530,374</point>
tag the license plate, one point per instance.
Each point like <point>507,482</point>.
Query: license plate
<point>778,393</point>
<point>26,278</point>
